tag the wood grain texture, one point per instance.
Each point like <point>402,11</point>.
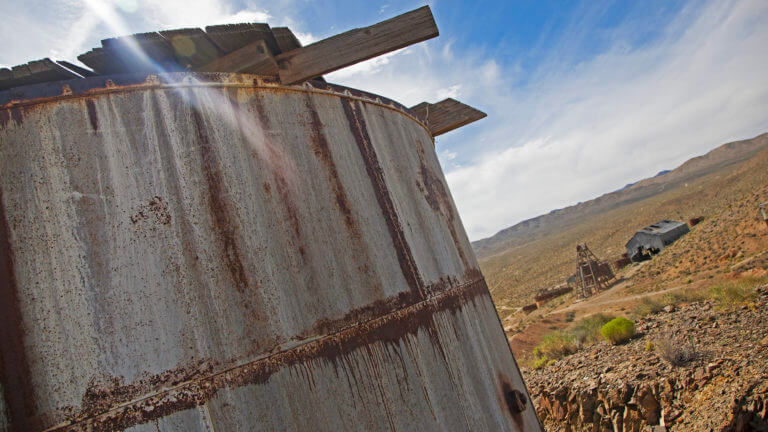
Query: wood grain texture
<point>143,52</point>
<point>34,72</point>
<point>356,45</point>
<point>286,40</point>
<point>253,58</point>
<point>77,69</point>
<point>231,37</point>
<point>97,60</point>
<point>446,115</point>
<point>192,47</point>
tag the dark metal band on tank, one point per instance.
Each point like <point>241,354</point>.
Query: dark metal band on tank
<point>12,100</point>
<point>159,396</point>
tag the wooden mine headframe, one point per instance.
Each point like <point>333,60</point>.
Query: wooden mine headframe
<point>593,273</point>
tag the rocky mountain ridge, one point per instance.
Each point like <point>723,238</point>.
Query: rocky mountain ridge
<point>531,229</point>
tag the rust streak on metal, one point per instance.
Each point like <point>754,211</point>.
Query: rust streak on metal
<point>5,117</point>
<point>323,153</point>
<point>219,206</point>
<point>14,367</point>
<point>439,199</point>
<point>281,183</point>
<point>92,115</point>
<point>404,255</point>
<point>178,396</point>
<point>13,113</point>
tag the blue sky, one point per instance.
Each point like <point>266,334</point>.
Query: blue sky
<point>582,97</point>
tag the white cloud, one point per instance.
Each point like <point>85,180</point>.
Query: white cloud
<point>90,21</point>
<point>575,131</point>
<point>571,132</point>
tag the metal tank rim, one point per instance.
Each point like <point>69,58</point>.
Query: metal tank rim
<point>52,92</point>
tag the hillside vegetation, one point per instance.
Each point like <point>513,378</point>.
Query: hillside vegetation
<point>724,186</point>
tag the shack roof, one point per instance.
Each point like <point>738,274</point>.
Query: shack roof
<point>661,227</point>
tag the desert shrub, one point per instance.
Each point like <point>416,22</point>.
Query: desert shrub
<point>674,352</point>
<point>569,316</point>
<point>618,330</point>
<point>587,330</point>
<point>734,293</point>
<point>694,294</point>
<point>647,307</point>
<point>542,362</point>
<point>673,298</point>
<point>555,345</point>
<point>649,346</point>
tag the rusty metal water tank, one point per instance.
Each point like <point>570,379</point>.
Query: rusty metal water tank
<point>198,252</point>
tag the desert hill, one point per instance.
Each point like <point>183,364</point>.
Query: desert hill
<point>540,252</point>
<point>721,157</point>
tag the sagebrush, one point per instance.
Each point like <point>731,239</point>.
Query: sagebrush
<point>618,330</point>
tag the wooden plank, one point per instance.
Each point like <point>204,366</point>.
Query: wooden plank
<point>77,69</point>
<point>102,63</point>
<point>192,47</point>
<point>421,110</point>
<point>6,78</point>
<point>356,45</point>
<point>255,57</point>
<point>446,115</point>
<point>34,72</point>
<point>231,37</point>
<point>286,40</point>
<point>48,70</point>
<point>143,52</point>
<point>21,73</point>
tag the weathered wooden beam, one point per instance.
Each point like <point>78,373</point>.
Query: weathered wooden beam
<point>98,60</point>
<point>286,40</point>
<point>253,58</point>
<point>77,69</point>
<point>446,115</point>
<point>35,72</point>
<point>143,52</point>
<point>6,78</point>
<point>231,37</point>
<point>193,48</point>
<point>356,45</point>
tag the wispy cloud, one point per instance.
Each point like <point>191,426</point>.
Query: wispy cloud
<point>572,129</point>
<point>576,130</point>
<point>65,28</point>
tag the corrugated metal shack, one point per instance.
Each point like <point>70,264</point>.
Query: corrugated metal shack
<point>653,238</point>
<point>198,233</point>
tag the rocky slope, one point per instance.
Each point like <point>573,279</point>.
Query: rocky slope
<point>730,232</point>
<point>723,386</point>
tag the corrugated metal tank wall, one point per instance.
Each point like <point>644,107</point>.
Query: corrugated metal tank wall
<point>226,253</point>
